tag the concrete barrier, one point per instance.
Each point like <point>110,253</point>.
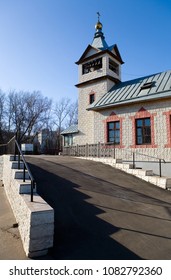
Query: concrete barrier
<point>1,167</point>
<point>35,219</point>
<point>146,175</point>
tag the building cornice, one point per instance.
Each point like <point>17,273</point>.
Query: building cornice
<point>115,80</point>
<point>131,102</point>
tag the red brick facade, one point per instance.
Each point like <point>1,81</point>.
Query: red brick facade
<point>113,118</point>
<point>143,113</point>
<point>168,127</point>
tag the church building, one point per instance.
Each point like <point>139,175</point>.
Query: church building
<point>134,114</point>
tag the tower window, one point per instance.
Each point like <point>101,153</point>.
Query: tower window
<point>91,98</point>
<point>92,65</point>
<point>113,66</point>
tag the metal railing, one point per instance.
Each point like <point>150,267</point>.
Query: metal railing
<point>157,159</point>
<point>19,157</point>
<point>8,148</point>
<point>108,150</point>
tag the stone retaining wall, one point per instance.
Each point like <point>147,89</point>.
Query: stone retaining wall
<point>144,174</point>
<point>1,167</point>
<point>35,219</point>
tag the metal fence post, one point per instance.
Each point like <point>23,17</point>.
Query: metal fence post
<point>114,154</point>
<point>86,150</point>
<point>24,173</point>
<point>160,167</point>
<point>18,160</point>
<point>133,159</point>
<point>32,191</point>
<point>98,149</point>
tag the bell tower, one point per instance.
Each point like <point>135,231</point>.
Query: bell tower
<point>99,69</point>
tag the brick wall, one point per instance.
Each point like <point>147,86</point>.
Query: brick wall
<point>86,118</point>
<point>158,111</point>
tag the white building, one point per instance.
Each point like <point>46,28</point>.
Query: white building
<point>129,115</point>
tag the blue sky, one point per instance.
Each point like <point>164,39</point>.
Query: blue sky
<point>40,40</point>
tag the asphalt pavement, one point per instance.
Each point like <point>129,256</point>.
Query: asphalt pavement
<point>102,212</point>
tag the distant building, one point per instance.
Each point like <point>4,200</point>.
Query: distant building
<point>42,139</point>
<point>69,135</point>
<point>48,142</point>
<point>135,114</point>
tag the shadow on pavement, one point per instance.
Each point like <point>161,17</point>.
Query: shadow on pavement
<point>79,232</point>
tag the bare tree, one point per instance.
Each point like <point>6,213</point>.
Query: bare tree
<point>25,114</point>
<point>61,111</point>
<point>28,111</point>
<point>64,115</point>
<point>72,117</point>
<point>2,113</point>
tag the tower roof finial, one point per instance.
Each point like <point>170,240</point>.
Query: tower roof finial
<point>98,14</point>
<point>99,39</point>
<point>98,25</point>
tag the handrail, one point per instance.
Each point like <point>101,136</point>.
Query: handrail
<point>138,153</point>
<point>162,159</point>
<point>8,142</point>
<point>112,147</point>
<point>4,147</point>
<point>26,167</point>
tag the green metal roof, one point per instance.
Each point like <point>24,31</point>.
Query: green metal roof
<point>70,130</point>
<point>142,89</point>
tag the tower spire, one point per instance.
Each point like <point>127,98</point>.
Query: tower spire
<point>99,38</point>
<point>98,25</point>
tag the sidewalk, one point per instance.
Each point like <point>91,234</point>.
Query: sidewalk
<point>10,243</point>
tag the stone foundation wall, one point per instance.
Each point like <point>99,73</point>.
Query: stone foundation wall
<point>159,113</point>
<point>35,219</point>
<point>1,167</point>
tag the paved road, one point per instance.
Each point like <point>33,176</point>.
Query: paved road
<point>102,212</point>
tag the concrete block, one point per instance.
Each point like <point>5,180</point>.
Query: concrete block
<point>13,158</point>
<point>40,211</point>
<point>168,183</point>
<point>128,166</point>
<point>39,253</point>
<point>142,172</point>
<point>130,171</point>
<point>18,174</point>
<point>146,178</point>
<point>152,179</point>
<point>149,172</point>
<point>117,160</point>
<point>42,231</point>
<point>35,219</point>
<point>14,165</point>
<point>40,243</point>
<point>124,166</point>
<point>23,187</point>
<point>161,182</point>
